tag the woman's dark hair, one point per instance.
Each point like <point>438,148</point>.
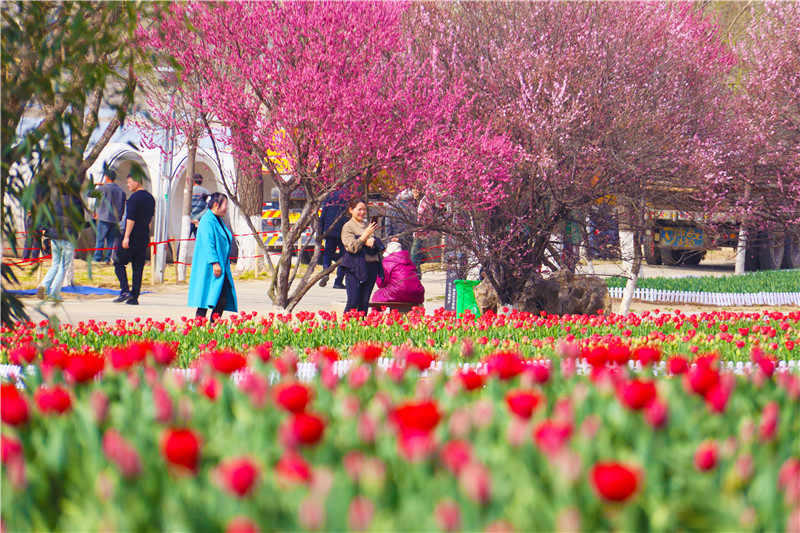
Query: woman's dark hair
<point>355,201</point>
<point>216,198</point>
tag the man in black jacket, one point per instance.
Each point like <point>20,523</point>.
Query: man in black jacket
<point>139,212</point>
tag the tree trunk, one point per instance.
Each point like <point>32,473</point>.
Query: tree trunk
<point>631,251</point>
<point>249,189</point>
<point>186,219</point>
<point>741,246</point>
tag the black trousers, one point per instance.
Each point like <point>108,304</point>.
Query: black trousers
<point>358,292</point>
<point>135,255</point>
<point>223,300</point>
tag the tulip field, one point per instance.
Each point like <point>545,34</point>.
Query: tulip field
<point>512,422</point>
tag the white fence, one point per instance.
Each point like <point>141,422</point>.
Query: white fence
<point>306,372</point>
<point>712,298</point>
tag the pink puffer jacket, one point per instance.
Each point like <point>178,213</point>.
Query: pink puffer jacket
<point>400,282</point>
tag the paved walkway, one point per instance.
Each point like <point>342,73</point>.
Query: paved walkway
<point>169,301</point>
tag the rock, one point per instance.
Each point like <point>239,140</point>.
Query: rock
<point>563,293</point>
<point>486,296</point>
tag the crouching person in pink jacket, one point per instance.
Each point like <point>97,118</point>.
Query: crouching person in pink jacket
<point>400,282</point>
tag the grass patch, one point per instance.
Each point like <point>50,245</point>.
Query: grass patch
<point>752,282</point>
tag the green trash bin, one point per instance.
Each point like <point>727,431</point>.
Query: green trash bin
<point>465,297</point>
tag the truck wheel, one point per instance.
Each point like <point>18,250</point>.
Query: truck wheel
<point>691,258</point>
<point>670,257</point>
<point>770,253</point>
<point>652,253</point>
<point>751,263</point>
<point>791,252</point>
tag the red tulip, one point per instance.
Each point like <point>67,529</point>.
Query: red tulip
<point>447,515</point>
<point>164,353</point>
<point>357,377</point>
<point>84,367</point>
<point>717,398</point>
<point>614,481</point>
<point>540,373</point>
<point>123,357</point>
<point>706,456</point>
<point>522,403</point>
<point>656,414</point>
<point>22,355</point>
<point>292,468</point>
<point>211,388</point>
<point>226,361</point>
<point>181,449</point>
<point>13,406</point>
<point>122,453</point>
<point>678,365</point>
<point>597,356</point>
<point>702,379</point>
<point>263,351</point>
<point>619,353</point>
<point>98,401</point>
<point>306,428</point>
<point>13,459</point>
<point>10,449</point>
<point>789,480</point>
<point>419,358</point>
<point>238,476</point>
<point>505,364</point>
<point>455,455</point>
<point>470,379</point>
<point>53,400</point>
<point>162,404</point>
<point>420,417</point>
<point>294,397</point>
<point>636,394</point>
<point>369,352</point>
<point>242,524</point>
<point>768,427</point>
<point>324,354</point>
<point>647,355</point>
<point>551,435</point>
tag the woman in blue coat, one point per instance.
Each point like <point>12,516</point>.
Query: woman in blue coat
<point>211,281</point>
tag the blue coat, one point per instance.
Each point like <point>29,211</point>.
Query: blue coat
<point>213,245</point>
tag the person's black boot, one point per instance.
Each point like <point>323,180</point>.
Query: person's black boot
<point>123,297</point>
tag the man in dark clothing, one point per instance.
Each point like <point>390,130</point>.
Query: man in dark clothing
<point>199,203</point>
<point>333,219</point>
<point>400,220</point>
<point>110,207</point>
<point>139,212</point>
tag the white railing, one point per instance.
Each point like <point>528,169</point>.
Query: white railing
<point>306,372</point>
<point>712,298</point>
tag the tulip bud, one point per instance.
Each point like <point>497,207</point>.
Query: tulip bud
<point>311,513</point>
<point>98,400</point>
<point>359,514</point>
<point>476,482</point>
<point>706,456</point>
<point>447,515</point>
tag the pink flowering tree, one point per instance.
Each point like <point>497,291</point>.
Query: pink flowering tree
<point>763,182</point>
<point>326,95</point>
<point>606,102</point>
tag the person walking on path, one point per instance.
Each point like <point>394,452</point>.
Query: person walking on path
<point>200,196</point>
<point>110,207</point>
<point>400,282</point>
<point>211,281</point>
<point>139,212</point>
<point>362,259</point>
<point>333,217</point>
<point>63,233</point>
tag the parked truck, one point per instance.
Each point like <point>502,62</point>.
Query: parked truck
<point>674,237</point>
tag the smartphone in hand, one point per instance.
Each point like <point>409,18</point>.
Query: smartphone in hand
<point>374,220</point>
